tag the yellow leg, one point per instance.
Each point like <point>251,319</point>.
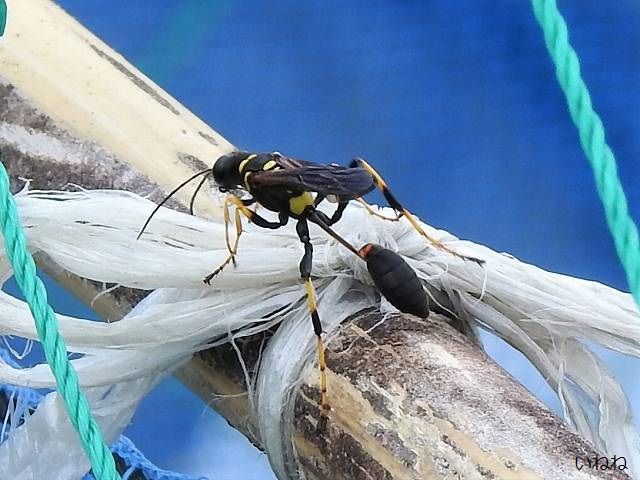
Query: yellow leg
<point>232,250</point>
<point>241,206</point>
<point>253,218</point>
<point>395,204</point>
<point>371,211</point>
<point>226,224</point>
<point>315,318</point>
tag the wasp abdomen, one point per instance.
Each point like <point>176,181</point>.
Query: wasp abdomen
<point>396,280</point>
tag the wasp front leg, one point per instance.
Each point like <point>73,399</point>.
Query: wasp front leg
<point>403,212</point>
<point>305,272</point>
<point>232,250</point>
<point>241,206</point>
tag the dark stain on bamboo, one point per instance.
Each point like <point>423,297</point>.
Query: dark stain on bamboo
<point>209,138</point>
<point>137,81</point>
<point>392,442</point>
<point>193,162</point>
<point>342,455</point>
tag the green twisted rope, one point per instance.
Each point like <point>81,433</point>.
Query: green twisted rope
<point>24,270</point>
<point>592,138</point>
<point>3,16</point>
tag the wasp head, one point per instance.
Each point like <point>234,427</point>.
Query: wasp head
<point>226,171</point>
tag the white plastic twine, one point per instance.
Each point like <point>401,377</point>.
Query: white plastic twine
<point>550,318</point>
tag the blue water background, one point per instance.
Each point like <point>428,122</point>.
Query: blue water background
<point>455,102</point>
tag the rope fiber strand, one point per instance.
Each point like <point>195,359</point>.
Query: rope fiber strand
<point>592,138</point>
<point>35,294</point>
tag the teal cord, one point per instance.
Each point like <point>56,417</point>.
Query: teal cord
<point>592,138</point>
<point>3,16</point>
<point>24,270</point>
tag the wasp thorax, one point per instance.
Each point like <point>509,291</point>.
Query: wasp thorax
<point>226,170</point>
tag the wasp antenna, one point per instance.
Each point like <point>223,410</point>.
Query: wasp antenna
<point>171,194</point>
<point>193,197</point>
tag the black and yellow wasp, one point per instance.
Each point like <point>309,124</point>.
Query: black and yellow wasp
<point>293,189</point>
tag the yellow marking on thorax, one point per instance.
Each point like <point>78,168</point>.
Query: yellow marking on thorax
<point>269,165</point>
<point>246,179</point>
<point>244,162</point>
<point>299,203</point>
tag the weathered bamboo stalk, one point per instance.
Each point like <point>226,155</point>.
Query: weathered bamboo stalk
<point>417,399</point>
<point>412,398</point>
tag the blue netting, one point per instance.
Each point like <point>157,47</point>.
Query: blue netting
<point>18,402</point>
<point>137,464</point>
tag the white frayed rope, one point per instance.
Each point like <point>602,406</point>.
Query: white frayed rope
<point>549,317</point>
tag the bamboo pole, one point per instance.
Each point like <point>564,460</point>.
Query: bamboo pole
<point>412,399</point>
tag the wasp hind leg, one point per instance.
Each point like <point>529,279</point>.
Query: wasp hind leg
<point>241,207</point>
<point>371,211</point>
<point>403,212</point>
<point>305,272</point>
